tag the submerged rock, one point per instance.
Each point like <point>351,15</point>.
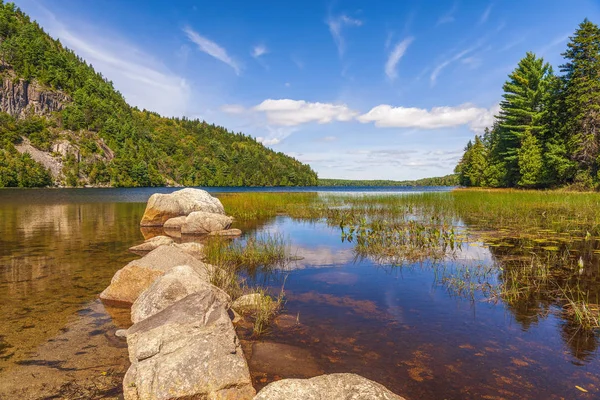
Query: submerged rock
<point>162,207</point>
<point>227,233</point>
<point>189,350</point>
<point>327,387</point>
<point>152,243</point>
<point>173,286</point>
<point>283,360</point>
<point>130,281</point>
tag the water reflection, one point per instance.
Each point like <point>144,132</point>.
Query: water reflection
<point>399,327</point>
<point>55,258</point>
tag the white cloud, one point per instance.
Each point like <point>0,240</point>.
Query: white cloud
<point>394,57</point>
<point>335,27</point>
<point>268,142</point>
<point>211,48</point>
<point>143,81</point>
<point>259,50</point>
<point>275,135</point>
<point>386,116</point>
<point>486,14</point>
<point>233,109</point>
<point>287,112</point>
<point>485,120</point>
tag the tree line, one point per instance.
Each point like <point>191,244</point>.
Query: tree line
<point>448,180</point>
<point>146,149</point>
<point>547,132</point>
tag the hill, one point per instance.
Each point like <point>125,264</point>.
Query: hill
<point>62,123</point>
<point>448,180</point>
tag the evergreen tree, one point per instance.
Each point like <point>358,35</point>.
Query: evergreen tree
<point>582,97</point>
<point>471,169</point>
<point>522,109</point>
<point>530,161</point>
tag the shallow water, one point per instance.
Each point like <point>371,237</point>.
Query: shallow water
<point>60,248</point>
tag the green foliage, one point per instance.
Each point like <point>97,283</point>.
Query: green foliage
<point>471,169</point>
<point>529,160</point>
<point>547,133</point>
<point>20,170</point>
<point>448,180</point>
<point>149,150</point>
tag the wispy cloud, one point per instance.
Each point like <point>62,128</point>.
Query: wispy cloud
<point>555,42</point>
<point>438,69</point>
<point>336,25</point>
<point>259,50</point>
<point>211,48</point>
<point>448,16</point>
<point>394,57</point>
<point>386,116</point>
<point>486,14</point>
<point>233,109</point>
<point>143,81</point>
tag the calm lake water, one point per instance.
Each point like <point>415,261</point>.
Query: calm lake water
<point>60,248</point>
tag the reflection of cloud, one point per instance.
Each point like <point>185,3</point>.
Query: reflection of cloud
<point>320,257</point>
<point>473,252</point>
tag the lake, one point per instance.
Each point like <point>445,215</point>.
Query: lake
<point>409,326</point>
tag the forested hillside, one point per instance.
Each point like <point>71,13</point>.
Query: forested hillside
<point>547,133</point>
<point>448,180</point>
<point>95,138</point>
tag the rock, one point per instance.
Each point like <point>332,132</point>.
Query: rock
<point>162,207</point>
<point>227,233</point>
<point>173,286</point>
<point>200,223</point>
<point>249,303</point>
<point>174,223</point>
<point>152,243</point>
<point>192,248</point>
<point>283,360</point>
<point>189,350</point>
<point>327,387</point>
<point>130,281</point>
<point>121,333</point>
<point>20,98</point>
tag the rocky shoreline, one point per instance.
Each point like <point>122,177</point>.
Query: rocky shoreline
<point>183,343</point>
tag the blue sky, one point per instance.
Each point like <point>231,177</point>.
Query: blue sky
<point>359,90</point>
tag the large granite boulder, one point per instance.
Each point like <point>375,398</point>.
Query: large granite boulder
<point>327,387</point>
<point>189,350</point>
<point>152,243</point>
<point>193,248</point>
<point>162,207</point>
<point>174,285</point>
<point>131,280</point>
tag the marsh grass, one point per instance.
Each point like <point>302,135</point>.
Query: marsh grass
<point>262,252</point>
<point>266,309</point>
<point>535,237</point>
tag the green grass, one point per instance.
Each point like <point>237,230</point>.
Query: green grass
<point>537,239</point>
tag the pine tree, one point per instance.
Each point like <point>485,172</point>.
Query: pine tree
<point>522,109</point>
<point>582,97</point>
<point>530,161</point>
<point>471,168</point>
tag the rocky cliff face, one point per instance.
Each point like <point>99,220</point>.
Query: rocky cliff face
<point>20,98</point>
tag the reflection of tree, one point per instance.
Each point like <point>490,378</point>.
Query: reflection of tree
<point>536,277</point>
<point>55,257</point>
